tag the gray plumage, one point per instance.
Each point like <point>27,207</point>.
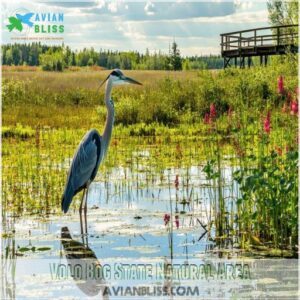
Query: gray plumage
<point>84,167</point>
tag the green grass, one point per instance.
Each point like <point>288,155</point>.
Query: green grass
<point>170,98</point>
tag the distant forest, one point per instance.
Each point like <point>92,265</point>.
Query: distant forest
<point>58,58</point>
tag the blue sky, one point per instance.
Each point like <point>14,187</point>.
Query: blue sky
<point>137,25</point>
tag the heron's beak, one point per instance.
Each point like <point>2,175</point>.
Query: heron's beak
<point>130,80</point>
<point>102,82</point>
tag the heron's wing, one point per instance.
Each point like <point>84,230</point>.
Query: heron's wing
<point>83,165</point>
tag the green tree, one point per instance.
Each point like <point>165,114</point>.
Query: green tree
<point>285,13</point>
<point>9,57</point>
<point>175,58</point>
<point>16,53</point>
<point>90,62</point>
<point>102,59</point>
<point>67,56</point>
<point>186,65</point>
<point>60,56</point>
<point>73,61</point>
<point>52,61</point>
<point>282,12</point>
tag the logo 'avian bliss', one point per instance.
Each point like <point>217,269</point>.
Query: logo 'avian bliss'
<point>92,148</point>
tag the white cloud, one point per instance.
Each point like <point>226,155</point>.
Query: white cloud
<point>112,7</point>
<point>100,3</point>
<point>240,17</point>
<point>130,31</point>
<point>149,8</point>
<point>121,25</point>
<point>246,5</point>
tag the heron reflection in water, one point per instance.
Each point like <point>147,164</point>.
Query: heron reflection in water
<point>80,257</point>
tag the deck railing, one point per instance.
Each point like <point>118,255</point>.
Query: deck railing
<point>260,37</point>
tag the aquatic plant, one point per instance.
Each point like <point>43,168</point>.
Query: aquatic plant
<point>280,85</point>
<point>294,107</point>
<point>267,123</point>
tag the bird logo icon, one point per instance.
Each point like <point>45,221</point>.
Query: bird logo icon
<point>18,21</point>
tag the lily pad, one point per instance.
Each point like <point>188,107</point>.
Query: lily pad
<point>24,249</point>
<point>43,248</point>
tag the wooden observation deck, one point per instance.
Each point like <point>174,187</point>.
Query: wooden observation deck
<point>262,42</point>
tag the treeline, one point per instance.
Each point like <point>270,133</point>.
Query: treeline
<point>58,58</point>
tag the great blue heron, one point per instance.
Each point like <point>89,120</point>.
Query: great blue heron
<point>92,149</point>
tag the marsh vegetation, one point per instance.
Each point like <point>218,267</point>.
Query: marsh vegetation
<point>219,147</point>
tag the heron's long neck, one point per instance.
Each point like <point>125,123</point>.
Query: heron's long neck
<point>109,119</point>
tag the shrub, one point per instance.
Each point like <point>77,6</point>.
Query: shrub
<point>126,111</point>
<point>19,131</point>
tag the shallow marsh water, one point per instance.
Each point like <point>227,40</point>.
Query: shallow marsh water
<point>126,226</point>
<point>126,221</point>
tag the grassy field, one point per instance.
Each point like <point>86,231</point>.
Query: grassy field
<point>170,98</point>
<point>74,94</point>
<point>209,119</point>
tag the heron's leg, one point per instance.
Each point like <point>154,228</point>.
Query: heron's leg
<point>82,198</point>
<point>81,227</point>
<point>80,213</point>
<point>85,208</point>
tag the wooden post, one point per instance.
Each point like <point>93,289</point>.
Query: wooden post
<point>255,38</point>
<point>222,40</point>
<point>278,31</point>
<point>261,60</point>
<point>226,62</point>
<point>242,62</point>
